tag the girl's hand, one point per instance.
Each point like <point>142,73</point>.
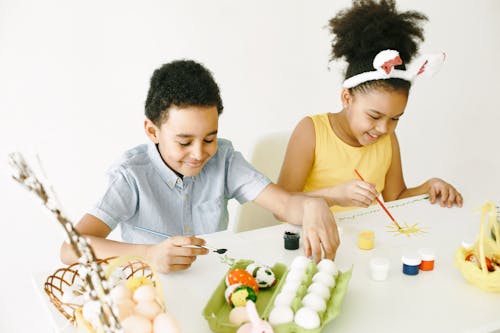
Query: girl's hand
<point>171,255</point>
<point>444,192</point>
<point>355,193</point>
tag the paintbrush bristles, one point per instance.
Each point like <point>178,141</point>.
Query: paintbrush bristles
<point>95,279</point>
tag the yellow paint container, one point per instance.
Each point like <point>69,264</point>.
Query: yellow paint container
<point>366,239</point>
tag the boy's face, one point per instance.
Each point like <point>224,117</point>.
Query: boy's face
<point>188,139</point>
<point>373,114</point>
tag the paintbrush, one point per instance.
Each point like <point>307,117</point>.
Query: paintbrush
<point>219,251</point>
<point>381,203</point>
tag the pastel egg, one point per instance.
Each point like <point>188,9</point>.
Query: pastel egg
<point>307,318</point>
<point>239,315</point>
<point>284,298</point>
<point>121,291</point>
<point>281,315</point>
<point>325,279</point>
<point>300,262</point>
<point>147,309</point>
<point>165,323</point>
<point>315,302</point>
<point>328,266</point>
<point>125,307</point>
<point>136,324</point>
<point>319,289</point>
<point>144,293</point>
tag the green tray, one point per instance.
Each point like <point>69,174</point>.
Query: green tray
<point>216,311</point>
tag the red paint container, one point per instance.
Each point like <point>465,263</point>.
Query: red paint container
<point>427,256</point>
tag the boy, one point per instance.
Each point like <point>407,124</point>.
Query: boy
<point>180,182</point>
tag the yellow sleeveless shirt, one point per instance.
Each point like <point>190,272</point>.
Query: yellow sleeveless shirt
<point>335,160</point>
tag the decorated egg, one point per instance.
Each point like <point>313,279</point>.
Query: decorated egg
<point>241,276</point>
<point>238,295</point>
<point>263,274</point>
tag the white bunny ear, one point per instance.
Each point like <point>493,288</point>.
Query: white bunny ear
<point>429,64</point>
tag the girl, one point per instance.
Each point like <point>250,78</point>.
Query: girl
<point>325,149</point>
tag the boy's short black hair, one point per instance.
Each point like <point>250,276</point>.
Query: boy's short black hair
<point>180,83</point>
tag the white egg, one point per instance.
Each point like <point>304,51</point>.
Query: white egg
<point>315,302</point>
<point>328,266</point>
<point>148,309</point>
<point>121,291</point>
<point>144,293</point>
<point>290,287</point>
<point>300,262</point>
<point>165,323</point>
<point>284,299</point>
<point>307,318</point>
<point>136,324</point>
<point>295,276</point>
<point>125,307</point>
<point>238,315</point>
<point>281,315</point>
<point>319,289</point>
<point>324,278</point>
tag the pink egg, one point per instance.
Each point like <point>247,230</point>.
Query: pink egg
<point>145,293</point>
<point>165,323</point>
<point>136,324</point>
<point>147,309</point>
<point>125,307</point>
<point>120,291</point>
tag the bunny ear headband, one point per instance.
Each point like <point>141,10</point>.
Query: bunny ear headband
<point>385,61</point>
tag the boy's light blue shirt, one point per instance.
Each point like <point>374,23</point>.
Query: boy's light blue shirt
<point>143,191</point>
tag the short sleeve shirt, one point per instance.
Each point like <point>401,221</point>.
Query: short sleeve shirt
<point>144,193</point>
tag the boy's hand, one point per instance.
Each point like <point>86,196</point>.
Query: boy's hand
<point>171,255</point>
<point>319,230</point>
<point>446,193</point>
<point>355,193</point>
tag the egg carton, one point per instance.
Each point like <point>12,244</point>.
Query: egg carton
<point>216,311</point>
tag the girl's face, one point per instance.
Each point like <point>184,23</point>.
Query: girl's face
<point>188,139</point>
<point>373,114</point>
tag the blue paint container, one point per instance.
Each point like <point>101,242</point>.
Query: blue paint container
<point>411,264</point>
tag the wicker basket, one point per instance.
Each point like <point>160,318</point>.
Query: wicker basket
<point>62,279</point>
<point>486,246</point>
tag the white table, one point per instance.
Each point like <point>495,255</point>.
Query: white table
<point>434,301</point>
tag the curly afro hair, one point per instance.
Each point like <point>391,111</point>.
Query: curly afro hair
<point>370,26</point>
<point>180,83</point>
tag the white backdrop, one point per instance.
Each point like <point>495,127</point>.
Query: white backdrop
<point>74,77</point>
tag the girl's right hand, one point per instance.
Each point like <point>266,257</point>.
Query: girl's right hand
<point>171,254</point>
<point>354,193</point>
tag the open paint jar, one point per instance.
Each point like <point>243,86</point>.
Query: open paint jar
<point>411,264</point>
<point>427,256</point>
<point>366,238</point>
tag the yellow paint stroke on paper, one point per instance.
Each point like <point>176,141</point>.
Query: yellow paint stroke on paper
<point>407,230</point>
